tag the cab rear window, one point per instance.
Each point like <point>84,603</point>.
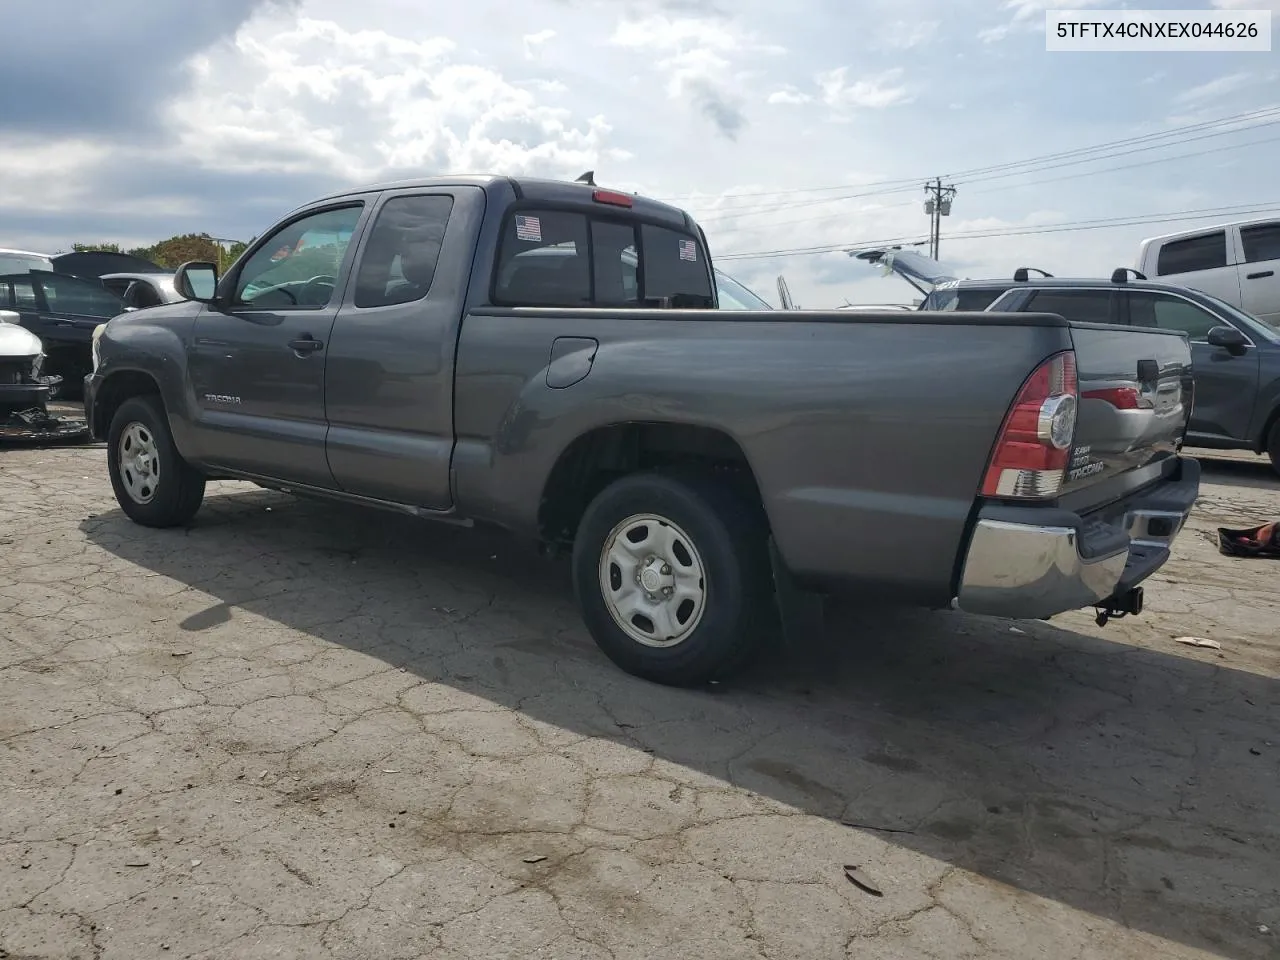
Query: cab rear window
<point>556,258</point>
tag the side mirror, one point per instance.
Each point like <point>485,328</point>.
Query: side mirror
<point>1229,338</point>
<point>197,280</point>
<point>10,316</point>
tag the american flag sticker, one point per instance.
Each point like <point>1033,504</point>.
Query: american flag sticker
<point>689,251</point>
<point>529,228</point>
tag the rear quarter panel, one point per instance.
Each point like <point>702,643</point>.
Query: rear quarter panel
<point>867,434</point>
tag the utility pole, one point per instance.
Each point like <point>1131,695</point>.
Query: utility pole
<point>937,205</point>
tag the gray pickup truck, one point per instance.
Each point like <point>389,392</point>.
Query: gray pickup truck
<point>546,357</point>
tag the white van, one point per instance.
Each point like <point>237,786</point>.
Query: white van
<point>1236,262</point>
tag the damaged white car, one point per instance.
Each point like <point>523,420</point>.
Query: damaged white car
<point>24,391</point>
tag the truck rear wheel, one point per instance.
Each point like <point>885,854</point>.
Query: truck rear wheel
<point>672,577</point>
<point>154,486</point>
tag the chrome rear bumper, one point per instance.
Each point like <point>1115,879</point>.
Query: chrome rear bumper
<point>1018,568</point>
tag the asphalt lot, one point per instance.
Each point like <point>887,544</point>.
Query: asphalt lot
<point>300,730</point>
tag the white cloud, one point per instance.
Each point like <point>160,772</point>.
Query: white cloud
<point>359,103</point>
<point>871,93</point>
<point>908,34</point>
<point>788,95</point>
<point>1029,15</point>
<point>534,40</point>
<point>1024,10</point>
<point>700,59</point>
<point>1216,88</point>
<point>1272,5</point>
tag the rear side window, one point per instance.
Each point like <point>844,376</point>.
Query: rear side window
<point>399,262</point>
<point>1206,252</point>
<point>1261,242</point>
<point>561,259</point>
<point>544,261</point>
<point>673,265</point>
<point>1083,306</point>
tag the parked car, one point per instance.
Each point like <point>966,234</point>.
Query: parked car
<point>1236,357</point>
<point>62,311</point>
<point>22,383</point>
<point>23,261</point>
<point>415,347</point>
<point>141,290</point>
<point>1238,263</point>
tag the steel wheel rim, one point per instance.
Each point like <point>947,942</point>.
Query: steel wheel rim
<point>138,462</point>
<point>653,580</point>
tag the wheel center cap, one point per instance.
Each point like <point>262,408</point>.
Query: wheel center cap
<point>651,579</point>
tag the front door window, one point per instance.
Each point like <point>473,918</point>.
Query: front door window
<point>298,265</point>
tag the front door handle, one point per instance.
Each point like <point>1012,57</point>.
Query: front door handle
<point>1259,276</point>
<point>305,345</point>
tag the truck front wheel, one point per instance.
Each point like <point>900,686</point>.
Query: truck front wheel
<point>672,577</point>
<point>154,486</point>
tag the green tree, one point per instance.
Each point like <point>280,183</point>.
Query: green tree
<point>95,248</point>
<point>175,251</point>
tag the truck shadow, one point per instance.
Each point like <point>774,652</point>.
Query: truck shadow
<point>1112,778</point>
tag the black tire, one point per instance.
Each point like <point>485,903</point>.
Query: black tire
<point>1273,446</point>
<point>178,490</point>
<point>729,540</point>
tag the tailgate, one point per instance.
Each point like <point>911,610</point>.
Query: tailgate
<point>1135,400</point>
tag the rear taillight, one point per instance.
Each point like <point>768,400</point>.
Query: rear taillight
<point>1031,453</point>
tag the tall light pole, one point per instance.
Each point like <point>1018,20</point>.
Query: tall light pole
<point>222,250</point>
<point>937,205</point>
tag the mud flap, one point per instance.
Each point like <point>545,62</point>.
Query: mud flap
<point>801,613</point>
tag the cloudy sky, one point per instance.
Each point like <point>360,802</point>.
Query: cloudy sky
<point>781,126</point>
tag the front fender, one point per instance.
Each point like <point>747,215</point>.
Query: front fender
<point>154,347</point>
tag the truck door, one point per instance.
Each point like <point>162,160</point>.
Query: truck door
<point>257,364</point>
<point>389,375</point>
<point>1260,271</point>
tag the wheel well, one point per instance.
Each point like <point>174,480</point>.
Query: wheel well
<point>115,390</point>
<point>599,457</point>
<point>1265,435</point>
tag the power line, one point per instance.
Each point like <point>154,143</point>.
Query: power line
<point>974,171</point>
<point>1058,179</point>
<point>766,208</point>
<point>1064,227</point>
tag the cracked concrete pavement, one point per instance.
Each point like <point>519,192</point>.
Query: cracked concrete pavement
<point>301,730</point>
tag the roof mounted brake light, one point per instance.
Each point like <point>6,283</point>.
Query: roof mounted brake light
<point>612,197</point>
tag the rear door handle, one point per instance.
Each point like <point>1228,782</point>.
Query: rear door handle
<point>305,344</point>
<point>1259,276</point>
